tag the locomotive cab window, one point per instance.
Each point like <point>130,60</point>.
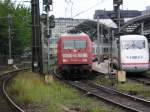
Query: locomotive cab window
<point>80,44</point>
<point>68,44</point>
<point>133,44</point>
<point>74,44</point>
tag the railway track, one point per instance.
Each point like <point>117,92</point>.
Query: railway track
<point>6,103</point>
<point>127,102</point>
<point>143,79</point>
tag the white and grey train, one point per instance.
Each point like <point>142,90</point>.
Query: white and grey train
<point>133,54</point>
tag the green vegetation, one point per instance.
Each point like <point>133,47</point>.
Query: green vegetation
<point>147,73</point>
<point>104,81</point>
<point>134,88</point>
<point>21,27</point>
<point>30,89</point>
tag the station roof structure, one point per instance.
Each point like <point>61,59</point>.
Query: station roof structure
<point>90,27</point>
<point>134,26</point>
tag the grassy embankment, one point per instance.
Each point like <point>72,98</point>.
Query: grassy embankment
<point>30,90</point>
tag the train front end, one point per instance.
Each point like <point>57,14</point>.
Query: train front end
<point>75,53</point>
<point>134,53</point>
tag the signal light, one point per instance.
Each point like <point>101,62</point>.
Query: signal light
<point>47,2</point>
<point>51,21</point>
<point>117,2</point>
<point>44,18</point>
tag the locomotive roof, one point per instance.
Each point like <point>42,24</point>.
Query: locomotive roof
<point>133,37</point>
<point>74,34</point>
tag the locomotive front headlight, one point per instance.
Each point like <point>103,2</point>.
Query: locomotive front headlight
<point>65,60</point>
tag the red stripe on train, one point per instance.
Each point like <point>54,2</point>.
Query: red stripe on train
<point>134,63</point>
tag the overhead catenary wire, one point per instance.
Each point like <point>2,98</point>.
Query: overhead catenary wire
<point>88,9</point>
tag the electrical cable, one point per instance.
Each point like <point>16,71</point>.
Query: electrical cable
<point>84,11</point>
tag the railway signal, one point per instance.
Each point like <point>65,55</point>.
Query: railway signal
<point>44,18</point>
<point>51,21</point>
<point>47,24</point>
<point>116,16</point>
<point>47,2</point>
<point>117,2</point>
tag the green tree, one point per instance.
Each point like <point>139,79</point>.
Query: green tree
<point>21,27</point>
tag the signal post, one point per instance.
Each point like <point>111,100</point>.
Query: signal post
<point>47,23</point>
<point>121,75</point>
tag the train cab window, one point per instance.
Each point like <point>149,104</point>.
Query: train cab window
<point>133,44</point>
<point>68,44</point>
<point>80,44</point>
<point>74,44</point>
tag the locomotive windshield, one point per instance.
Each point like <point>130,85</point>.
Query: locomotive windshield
<point>74,44</point>
<point>133,44</point>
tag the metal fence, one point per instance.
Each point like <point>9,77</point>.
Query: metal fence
<point>17,59</point>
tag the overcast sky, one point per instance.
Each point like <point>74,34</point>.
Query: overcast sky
<point>86,8</point>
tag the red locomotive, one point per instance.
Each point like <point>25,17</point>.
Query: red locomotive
<point>74,53</point>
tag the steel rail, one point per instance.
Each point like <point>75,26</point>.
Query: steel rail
<point>18,108</point>
<point>91,88</point>
<point>79,87</point>
<point>120,93</point>
<point>97,93</point>
<point>143,79</point>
